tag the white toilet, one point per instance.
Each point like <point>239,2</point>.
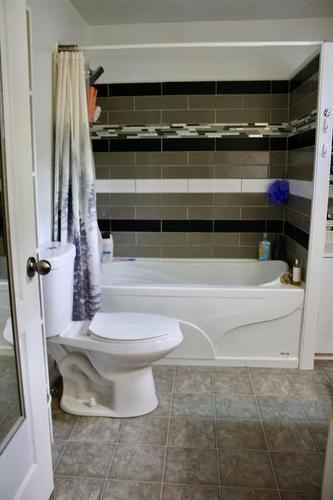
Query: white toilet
<point>105,363</point>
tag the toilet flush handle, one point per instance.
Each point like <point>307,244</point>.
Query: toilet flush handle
<point>41,267</point>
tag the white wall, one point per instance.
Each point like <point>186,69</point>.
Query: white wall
<point>205,64</point>
<point>51,21</point>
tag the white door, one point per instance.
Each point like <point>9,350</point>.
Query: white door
<point>25,449</point>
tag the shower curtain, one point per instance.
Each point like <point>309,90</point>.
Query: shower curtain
<point>75,217</point>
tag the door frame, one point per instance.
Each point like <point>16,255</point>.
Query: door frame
<point>26,463</point>
<point>317,235</point>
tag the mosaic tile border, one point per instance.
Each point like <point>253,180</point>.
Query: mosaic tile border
<point>210,130</point>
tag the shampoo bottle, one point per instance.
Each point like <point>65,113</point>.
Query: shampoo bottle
<point>264,248</point>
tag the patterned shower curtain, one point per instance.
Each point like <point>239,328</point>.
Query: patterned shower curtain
<point>75,217</point>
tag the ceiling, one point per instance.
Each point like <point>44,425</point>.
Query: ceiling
<point>99,12</point>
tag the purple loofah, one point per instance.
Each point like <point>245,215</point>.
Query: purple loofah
<point>278,192</point>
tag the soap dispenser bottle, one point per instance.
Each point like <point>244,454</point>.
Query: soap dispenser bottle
<point>264,248</point>
<point>297,273</point>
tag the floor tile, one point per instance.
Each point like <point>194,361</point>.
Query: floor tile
<point>306,376</point>
<point>163,376</point>
<point>63,423</point>
<point>144,430</point>
<point>249,494</point>
<point>277,408</point>
<point>193,382</point>
<point>300,495</point>
<point>240,435</point>
<point>193,405</point>
<point>271,384</point>
<point>96,429</point>
<point>131,490</point>
<point>57,449</point>
<point>186,492</point>
<point>232,382</point>
<point>239,407</point>
<point>317,410</point>
<point>164,404</point>
<point>298,471</point>
<point>250,469</point>
<point>77,488</point>
<point>192,432</point>
<point>320,431</point>
<point>138,463</point>
<point>313,390</point>
<point>85,459</point>
<point>289,436</point>
<point>191,466</point>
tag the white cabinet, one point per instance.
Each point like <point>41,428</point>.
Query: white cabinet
<point>324,343</point>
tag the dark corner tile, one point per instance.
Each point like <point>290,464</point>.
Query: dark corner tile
<point>242,144</point>
<point>129,89</point>
<point>195,144</point>
<point>175,88</point>
<point>310,69</point>
<point>280,86</point>
<point>135,225</point>
<point>104,225</point>
<point>302,140</point>
<point>274,226</point>
<point>244,87</point>
<point>193,226</point>
<point>278,143</point>
<point>296,234</point>
<point>102,89</point>
<point>119,145</point>
<point>100,145</point>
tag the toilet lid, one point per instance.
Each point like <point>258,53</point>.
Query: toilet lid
<point>131,326</point>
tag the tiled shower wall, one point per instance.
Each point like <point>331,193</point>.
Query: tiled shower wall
<point>202,196</point>
<point>190,197</point>
<point>300,162</point>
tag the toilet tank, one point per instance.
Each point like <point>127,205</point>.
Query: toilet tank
<point>57,287</point>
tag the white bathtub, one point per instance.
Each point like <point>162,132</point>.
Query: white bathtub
<point>232,312</point>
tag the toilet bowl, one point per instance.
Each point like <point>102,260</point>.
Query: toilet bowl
<point>105,363</point>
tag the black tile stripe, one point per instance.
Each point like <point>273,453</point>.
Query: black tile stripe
<point>244,87</point>
<point>193,88</point>
<point>243,144</point>
<point>195,144</point>
<point>153,226</point>
<point>130,89</point>
<point>192,226</point>
<point>190,88</point>
<point>303,140</point>
<point>310,69</point>
<point>297,234</point>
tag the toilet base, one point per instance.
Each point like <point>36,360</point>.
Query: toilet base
<point>118,393</point>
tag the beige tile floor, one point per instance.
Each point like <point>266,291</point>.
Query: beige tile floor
<point>218,433</point>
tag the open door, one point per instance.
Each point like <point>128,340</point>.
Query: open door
<point>25,448</point>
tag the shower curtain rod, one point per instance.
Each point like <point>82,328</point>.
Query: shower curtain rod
<point>198,45</point>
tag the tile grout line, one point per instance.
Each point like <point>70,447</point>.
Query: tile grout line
<point>264,433</point>
<point>111,462</point>
<point>168,430</point>
<point>216,440</point>
<point>68,440</point>
<point>322,453</point>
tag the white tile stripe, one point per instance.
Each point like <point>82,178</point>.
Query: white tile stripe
<point>299,188</point>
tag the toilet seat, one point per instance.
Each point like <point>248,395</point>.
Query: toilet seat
<point>110,327</point>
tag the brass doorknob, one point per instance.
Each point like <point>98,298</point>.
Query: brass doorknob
<point>41,267</point>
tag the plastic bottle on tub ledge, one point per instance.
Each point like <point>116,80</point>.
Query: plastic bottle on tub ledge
<point>264,250</point>
<point>107,248</point>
